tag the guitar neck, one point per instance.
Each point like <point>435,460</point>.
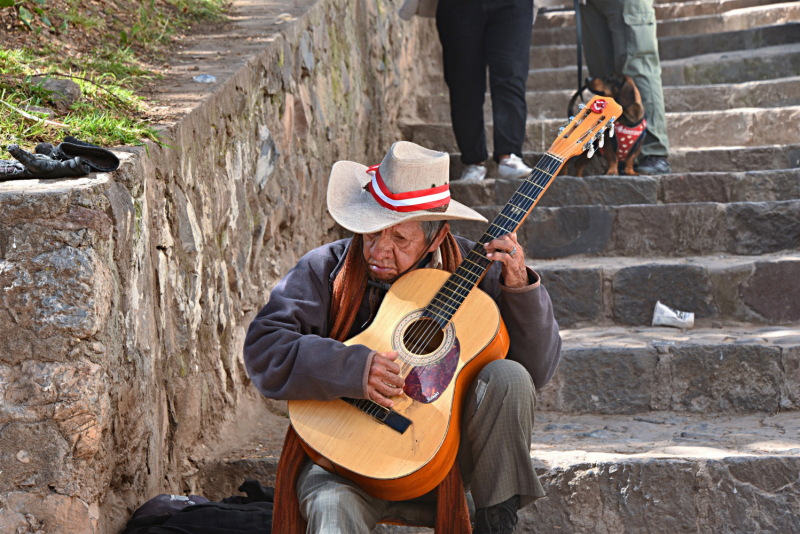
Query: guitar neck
<point>472,268</point>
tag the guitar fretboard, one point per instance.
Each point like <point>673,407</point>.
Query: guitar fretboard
<point>472,268</point>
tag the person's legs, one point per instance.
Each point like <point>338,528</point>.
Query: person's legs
<point>598,42</point>
<point>632,24</point>
<point>494,455</point>
<point>333,505</point>
<point>507,45</point>
<point>461,32</point>
<point>644,66</point>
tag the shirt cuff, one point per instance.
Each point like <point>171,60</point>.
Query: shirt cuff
<point>533,282</point>
<point>365,379</point>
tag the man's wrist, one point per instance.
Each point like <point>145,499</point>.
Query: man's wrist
<point>533,281</point>
<point>365,379</point>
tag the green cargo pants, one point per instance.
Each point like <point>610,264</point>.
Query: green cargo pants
<point>620,36</point>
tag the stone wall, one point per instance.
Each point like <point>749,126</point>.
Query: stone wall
<point>126,297</point>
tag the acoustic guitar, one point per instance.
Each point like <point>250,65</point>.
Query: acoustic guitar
<point>445,330</point>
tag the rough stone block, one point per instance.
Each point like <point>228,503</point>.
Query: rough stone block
<point>682,287</point>
<point>762,227</point>
<point>666,495</point>
<point>33,457</point>
<point>559,232</point>
<point>790,360</point>
<point>25,512</point>
<point>606,380</point>
<point>768,293</point>
<point>577,294</point>
<point>738,378</point>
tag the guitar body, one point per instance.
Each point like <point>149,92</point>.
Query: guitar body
<point>384,462</point>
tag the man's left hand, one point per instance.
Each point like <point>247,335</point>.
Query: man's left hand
<point>508,251</point>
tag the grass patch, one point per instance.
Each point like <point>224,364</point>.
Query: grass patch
<point>110,48</point>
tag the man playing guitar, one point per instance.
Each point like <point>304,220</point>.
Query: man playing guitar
<point>399,220</point>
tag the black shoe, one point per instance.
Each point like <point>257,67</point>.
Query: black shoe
<point>96,158</point>
<point>498,519</point>
<point>653,165</point>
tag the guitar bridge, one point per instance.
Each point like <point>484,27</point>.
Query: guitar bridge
<point>388,417</point>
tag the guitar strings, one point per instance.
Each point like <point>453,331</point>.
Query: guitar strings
<point>431,330</point>
<point>547,176</point>
<point>472,277</point>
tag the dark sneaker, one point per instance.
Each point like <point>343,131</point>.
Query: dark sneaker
<point>653,165</point>
<point>498,519</point>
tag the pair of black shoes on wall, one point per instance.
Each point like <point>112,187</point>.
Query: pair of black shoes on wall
<point>70,159</point>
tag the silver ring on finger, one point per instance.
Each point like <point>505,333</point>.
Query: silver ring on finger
<point>513,250</point>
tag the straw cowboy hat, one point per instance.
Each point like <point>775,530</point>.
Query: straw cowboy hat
<point>412,183</point>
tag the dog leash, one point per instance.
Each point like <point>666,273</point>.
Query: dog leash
<point>579,42</point>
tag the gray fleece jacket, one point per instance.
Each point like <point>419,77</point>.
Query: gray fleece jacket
<point>289,356</point>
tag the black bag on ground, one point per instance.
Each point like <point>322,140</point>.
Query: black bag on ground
<point>234,515</point>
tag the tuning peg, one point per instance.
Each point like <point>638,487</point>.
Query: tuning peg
<point>602,140</point>
<point>581,106</point>
<point>611,127</point>
<point>561,130</point>
<point>572,118</point>
<point>591,152</point>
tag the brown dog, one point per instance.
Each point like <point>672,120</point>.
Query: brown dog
<point>629,129</point>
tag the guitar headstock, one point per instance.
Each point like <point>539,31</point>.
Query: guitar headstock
<point>586,127</point>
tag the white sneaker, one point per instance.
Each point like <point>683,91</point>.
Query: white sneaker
<point>512,167</point>
<point>474,173</point>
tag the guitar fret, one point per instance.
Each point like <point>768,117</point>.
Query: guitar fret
<point>453,291</point>
<point>437,307</point>
<point>436,314</point>
<point>474,264</point>
<point>534,183</point>
<point>507,217</point>
<point>526,196</point>
<point>446,304</point>
<point>466,280</point>
<point>485,262</point>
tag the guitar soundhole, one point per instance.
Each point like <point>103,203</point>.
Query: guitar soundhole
<point>423,337</point>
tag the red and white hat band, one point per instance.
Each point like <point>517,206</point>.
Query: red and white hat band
<point>412,201</point>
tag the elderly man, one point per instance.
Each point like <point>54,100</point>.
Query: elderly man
<point>398,213</point>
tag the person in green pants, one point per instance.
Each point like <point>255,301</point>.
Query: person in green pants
<point>620,36</point>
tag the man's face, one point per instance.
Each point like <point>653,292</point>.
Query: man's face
<point>395,249</point>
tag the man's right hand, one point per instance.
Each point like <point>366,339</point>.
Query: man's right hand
<point>384,379</point>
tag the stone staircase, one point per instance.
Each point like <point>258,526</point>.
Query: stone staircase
<point>655,429</point>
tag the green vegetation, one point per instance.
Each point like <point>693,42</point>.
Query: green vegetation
<point>110,48</point>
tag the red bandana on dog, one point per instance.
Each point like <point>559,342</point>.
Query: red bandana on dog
<point>628,137</point>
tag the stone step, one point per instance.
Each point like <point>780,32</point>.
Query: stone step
<point>666,473</point>
<point>684,472</point>
<point>718,289</point>
<point>781,92</point>
<point>664,12</point>
<point>735,20</point>
<point>693,45</point>
<point>565,55</point>
<point>769,62</point>
<point>729,159</point>
<point>617,370</point>
<point>653,230</point>
<point>724,67</point>
<point>726,128</point>
<point>720,187</point>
